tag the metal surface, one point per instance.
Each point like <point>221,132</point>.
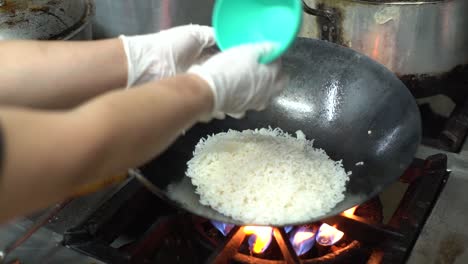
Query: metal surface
<point>115,17</point>
<point>42,247</point>
<point>42,222</point>
<point>444,238</point>
<point>130,209</point>
<point>78,209</point>
<point>408,37</point>
<point>37,239</point>
<point>329,99</point>
<point>46,20</point>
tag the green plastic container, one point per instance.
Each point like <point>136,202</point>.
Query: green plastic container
<point>238,22</point>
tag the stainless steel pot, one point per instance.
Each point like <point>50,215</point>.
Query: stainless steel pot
<point>409,37</point>
<point>46,19</point>
<point>115,17</point>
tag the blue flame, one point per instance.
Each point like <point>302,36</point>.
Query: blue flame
<point>225,229</point>
<point>328,235</point>
<point>302,239</point>
<point>288,229</point>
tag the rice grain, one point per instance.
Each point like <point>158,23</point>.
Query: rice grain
<point>266,176</point>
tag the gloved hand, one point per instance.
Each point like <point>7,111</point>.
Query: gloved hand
<point>239,82</point>
<point>165,54</point>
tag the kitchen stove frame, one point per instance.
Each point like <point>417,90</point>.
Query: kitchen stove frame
<point>426,178</point>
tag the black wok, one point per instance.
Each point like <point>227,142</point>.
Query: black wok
<point>354,108</point>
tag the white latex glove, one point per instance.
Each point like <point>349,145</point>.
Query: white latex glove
<point>239,82</point>
<point>165,54</point>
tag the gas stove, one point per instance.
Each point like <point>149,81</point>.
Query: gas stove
<point>419,219</point>
<point>134,226</point>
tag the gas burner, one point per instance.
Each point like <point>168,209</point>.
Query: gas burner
<point>302,244</point>
<point>134,226</point>
<point>311,243</point>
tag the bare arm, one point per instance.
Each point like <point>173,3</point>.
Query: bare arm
<point>48,154</point>
<point>59,75</point>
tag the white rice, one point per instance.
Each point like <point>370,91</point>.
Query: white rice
<point>266,176</point>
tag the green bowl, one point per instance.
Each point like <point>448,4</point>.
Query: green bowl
<point>238,22</point>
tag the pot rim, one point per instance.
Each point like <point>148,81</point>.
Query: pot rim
<point>84,21</point>
<point>398,2</point>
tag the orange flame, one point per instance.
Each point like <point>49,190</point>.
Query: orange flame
<point>263,237</point>
<point>328,235</point>
<point>350,212</point>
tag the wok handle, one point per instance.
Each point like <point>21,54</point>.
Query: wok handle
<point>146,183</point>
<point>99,185</point>
<point>111,181</point>
<point>318,12</point>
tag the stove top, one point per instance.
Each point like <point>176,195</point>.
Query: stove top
<point>134,226</point>
<point>420,219</point>
<point>130,225</point>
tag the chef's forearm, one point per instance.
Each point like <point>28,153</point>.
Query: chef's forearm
<point>48,155</point>
<point>54,75</point>
<point>143,122</point>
